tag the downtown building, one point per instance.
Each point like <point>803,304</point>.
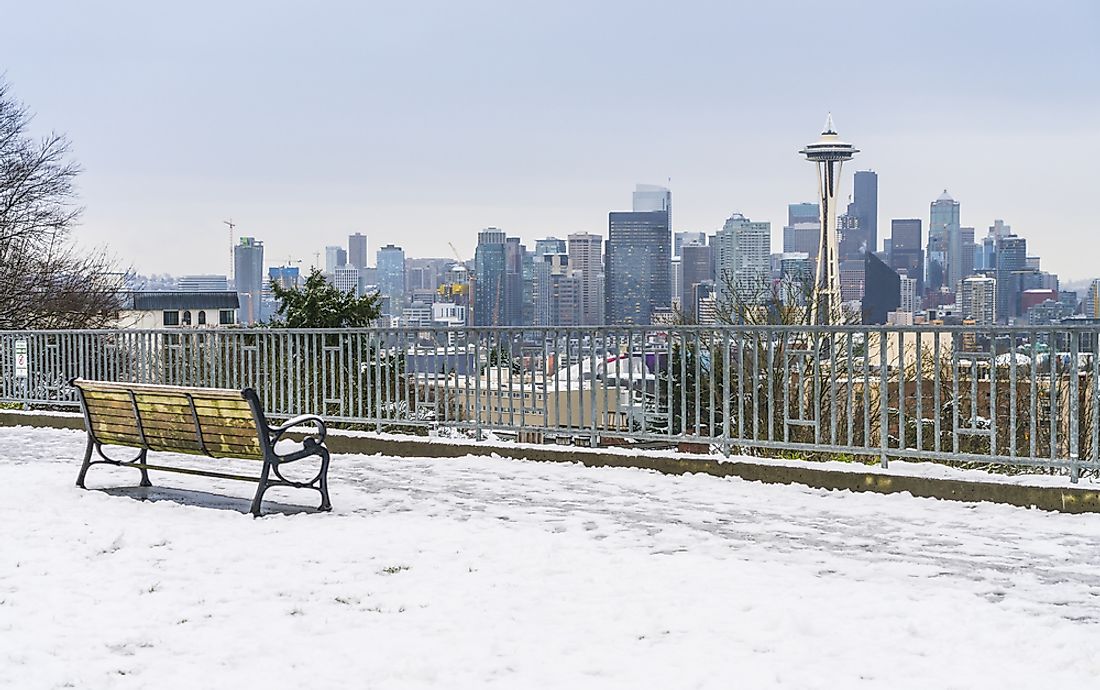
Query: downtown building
<point>357,250</point>
<point>882,288</point>
<point>696,268</point>
<point>907,251</point>
<point>742,261</point>
<point>586,267</point>
<point>638,272</point>
<point>862,231</point>
<point>977,300</point>
<point>944,244</point>
<point>498,279</point>
<point>390,263</point>
<point>248,272</point>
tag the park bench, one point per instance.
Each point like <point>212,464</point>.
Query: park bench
<point>214,422</point>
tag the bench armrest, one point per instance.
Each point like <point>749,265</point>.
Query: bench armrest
<point>317,437</point>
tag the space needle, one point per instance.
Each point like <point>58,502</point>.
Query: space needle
<point>829,153</point>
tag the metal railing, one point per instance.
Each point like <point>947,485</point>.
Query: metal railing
<point>1011,396</point>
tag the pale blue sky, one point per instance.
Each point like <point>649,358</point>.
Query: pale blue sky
<point>422,122</point>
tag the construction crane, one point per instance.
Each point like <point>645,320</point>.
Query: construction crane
<point>231,225</point>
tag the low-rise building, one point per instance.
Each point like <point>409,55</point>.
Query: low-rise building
<point>212,309</point>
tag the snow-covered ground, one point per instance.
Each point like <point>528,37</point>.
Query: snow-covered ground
<point>483,572</point>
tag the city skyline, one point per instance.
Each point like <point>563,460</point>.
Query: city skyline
<point>410,150</point>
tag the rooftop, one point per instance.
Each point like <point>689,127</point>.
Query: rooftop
<point>156,301</point>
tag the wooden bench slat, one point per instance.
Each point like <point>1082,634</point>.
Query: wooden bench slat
<point>119,439</point>
<point>108,387</point>
<point>179,406</point>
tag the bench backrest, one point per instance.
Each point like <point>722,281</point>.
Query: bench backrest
<point>203,421</point>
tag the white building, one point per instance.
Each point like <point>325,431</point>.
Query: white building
<point>977,298</point>
<point>908,295</point>
<point>742,258</point>
<point>346,280</point>
<point>179,310</point>
<point>586,265</point>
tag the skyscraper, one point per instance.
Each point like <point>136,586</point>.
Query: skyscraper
<point>586,264</point>
<point>335,257</point>
<point>881,290</point>
<point>742,261</point>
<point>248,270</point>
<point>696,266</point>
<point>638,279</point>
<point>864,208</point>
<point>828,154</point>
<point>1011,259</point>
<point>803,229</point>
<point>967,252</point>
<point>488,277</point>
<point>906,249</point>
<point>944,243</point>
<point>391,276</point>
<point>357,250</point>
<point>518,281</point>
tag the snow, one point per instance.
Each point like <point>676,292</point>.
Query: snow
<point>485,572</point>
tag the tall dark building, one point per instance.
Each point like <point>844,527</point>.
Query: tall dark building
<point>907,250</point>
<point>1011,259</point>
<point>697,266</point>
<point>357,250</point>
<point>489,278</point>
<point>864,208</point>
<point>639,268</point>
<point>881,290</point>
<point>519,298</point>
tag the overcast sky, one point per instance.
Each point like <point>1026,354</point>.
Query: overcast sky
<point>419,123</point>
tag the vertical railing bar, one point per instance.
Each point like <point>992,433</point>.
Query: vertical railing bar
<point>1074,401</point>
<point>919,364</point>
<point>954,393</point>
<point>884,397</point>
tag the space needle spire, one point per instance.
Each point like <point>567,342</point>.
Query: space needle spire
<point>829,153</point>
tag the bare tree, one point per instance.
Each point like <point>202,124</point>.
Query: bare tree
<point>45,281</point>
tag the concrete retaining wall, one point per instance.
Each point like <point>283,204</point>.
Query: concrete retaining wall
<point>1065,499</point>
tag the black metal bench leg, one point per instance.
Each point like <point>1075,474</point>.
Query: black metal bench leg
<point>144,472</point>
<point>87,463</point>
<point>325,503</point>
<point>257,500</point>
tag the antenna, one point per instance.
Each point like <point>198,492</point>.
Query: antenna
<point>231,225</point>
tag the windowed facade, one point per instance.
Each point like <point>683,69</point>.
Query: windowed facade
<point>225,317</point>
<point>171,318</point>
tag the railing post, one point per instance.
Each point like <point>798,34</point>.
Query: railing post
<point>1074,401</point>
<point>884,399</point>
